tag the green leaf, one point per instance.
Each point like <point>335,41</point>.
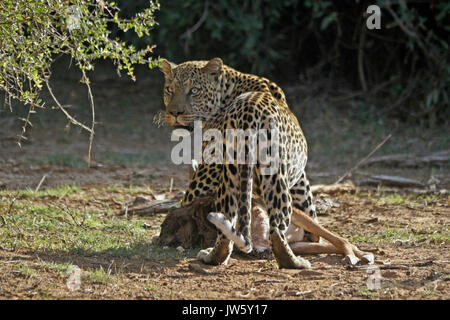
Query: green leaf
<point>328,19</point>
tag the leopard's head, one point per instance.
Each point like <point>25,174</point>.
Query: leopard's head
<point>190,91</point>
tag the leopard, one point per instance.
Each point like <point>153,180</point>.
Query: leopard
<point>223,98</point>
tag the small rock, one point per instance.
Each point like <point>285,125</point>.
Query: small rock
<point>160,196</point>
<point>180,249</point>
<point>300,293</point>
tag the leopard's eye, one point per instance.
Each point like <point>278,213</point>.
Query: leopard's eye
<point>194,91</point>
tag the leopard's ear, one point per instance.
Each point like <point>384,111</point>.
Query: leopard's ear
<point>214,66</point>
<point>166,67</point>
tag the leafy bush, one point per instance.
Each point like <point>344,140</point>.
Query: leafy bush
<point>33,33</point>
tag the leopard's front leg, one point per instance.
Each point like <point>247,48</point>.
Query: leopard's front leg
<point>204,181</point>
<point>233,205</point>
<point>226,208</point>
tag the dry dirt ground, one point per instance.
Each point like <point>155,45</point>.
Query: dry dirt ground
<point>71,221</point>
<point>409,235</point>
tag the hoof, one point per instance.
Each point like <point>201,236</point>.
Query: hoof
<point>205,255</point>
<point>284,255</point>
<point>300,263</point>
<point>368,258</point>
<point>351,259</point>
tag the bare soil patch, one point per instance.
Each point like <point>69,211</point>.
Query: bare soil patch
<point>408,234</point>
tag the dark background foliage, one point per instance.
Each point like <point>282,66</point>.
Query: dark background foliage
<point>406,61</point>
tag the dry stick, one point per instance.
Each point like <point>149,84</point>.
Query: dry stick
<point>24,127</point>
<point>362,79</point>
<point>91,99</point>
<point>27,121</point>
<point>190,31</point>
<point>364,160</point>
<point>40,183</point>
<point>72,119</point>
<point>202,19</point>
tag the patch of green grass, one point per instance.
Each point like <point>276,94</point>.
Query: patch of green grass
<point>127,158</point>
<point>150,288</point>
<point>361,238</point>
<point>54,266</point>
<point>98,275</point>
<point>25,271</point>
<point>38,226</point>
<point>32,223</point>
<point>51,192</point>
<point>432,234</point>
<point>62,159</point>
<point>272,264</point>
<point>366,292</point>
<point>400,199</point>
<point>392,199</point>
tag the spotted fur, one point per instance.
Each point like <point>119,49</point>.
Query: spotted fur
<point>223,98</point>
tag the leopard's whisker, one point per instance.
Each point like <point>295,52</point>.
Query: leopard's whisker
<point>160,118</point>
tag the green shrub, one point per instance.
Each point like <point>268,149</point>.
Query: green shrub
<point>33,33</point>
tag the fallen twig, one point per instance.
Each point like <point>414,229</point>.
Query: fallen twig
<point>152,207</point>
<point>40,183</point>
<point>363,160</point>
<point>269,280</point>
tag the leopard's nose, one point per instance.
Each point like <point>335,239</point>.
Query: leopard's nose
<point>176,113</point>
